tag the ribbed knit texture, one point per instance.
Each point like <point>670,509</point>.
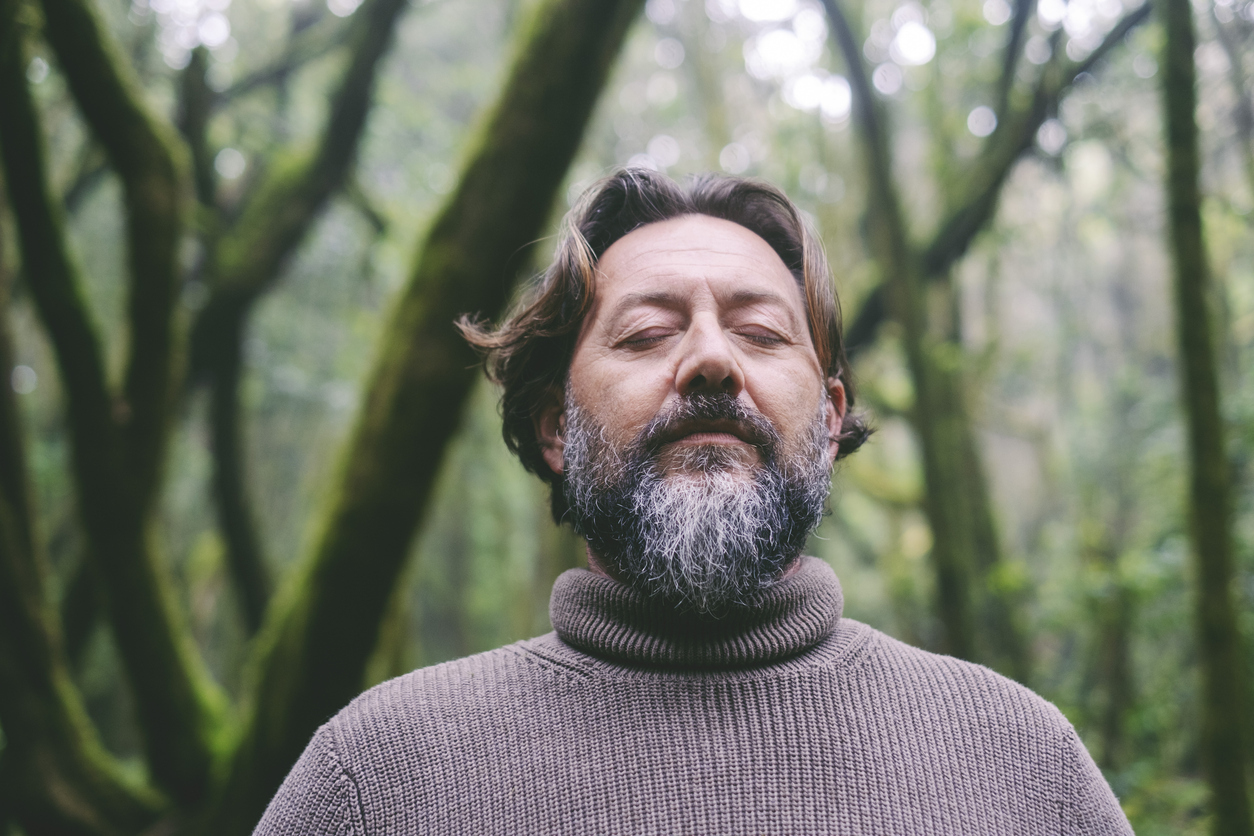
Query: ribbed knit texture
<point>781,718</point>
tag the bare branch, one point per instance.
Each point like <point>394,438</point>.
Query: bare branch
<point>1244,111</point>
<point>196,102</point>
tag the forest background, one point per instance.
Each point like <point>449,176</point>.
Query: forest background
<point>247,468</point>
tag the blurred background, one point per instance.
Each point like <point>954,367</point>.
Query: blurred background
<point>1007,294</point>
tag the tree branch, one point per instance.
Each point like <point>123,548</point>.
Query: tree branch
<point>232,499</point>
<point>54,775</point>
<point>314,647</point>
<point>310,43</point>
<point>866,325</point>
<point>1010,58</point>
<point>91,168</point>
<point>249,259</point>
<point>990,172</point>
<point>1244,108</point>
<point>196,102</point>
<point>890,242</point>
<point>1003,149</point>
<point>177,704</point>
<point>151,165</point>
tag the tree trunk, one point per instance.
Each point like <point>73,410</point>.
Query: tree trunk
<point>1210,496</point>
<point>114,470</point>
<point>314,646</point>
<point>55,778</point>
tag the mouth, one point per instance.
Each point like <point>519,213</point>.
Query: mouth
<point>716,432</point>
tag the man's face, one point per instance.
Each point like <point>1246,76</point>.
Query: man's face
<point>696,368</point>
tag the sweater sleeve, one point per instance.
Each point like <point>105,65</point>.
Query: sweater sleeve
<point>1090,808</point>
<point>318,797</point>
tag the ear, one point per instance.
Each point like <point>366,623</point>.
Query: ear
<point>550,428</point>
<point>837,405</point>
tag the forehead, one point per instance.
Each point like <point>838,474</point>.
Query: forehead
<point>682,254</point>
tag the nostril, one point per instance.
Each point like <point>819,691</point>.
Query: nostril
<point>696,383</point>
<point>729,383</point>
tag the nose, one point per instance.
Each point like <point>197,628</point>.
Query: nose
<point>708,363</point>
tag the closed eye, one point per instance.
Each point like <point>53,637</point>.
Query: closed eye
<point>765,338</point>
<point>645,339</point>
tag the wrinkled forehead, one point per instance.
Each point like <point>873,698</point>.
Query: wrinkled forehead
<point>690,251</point>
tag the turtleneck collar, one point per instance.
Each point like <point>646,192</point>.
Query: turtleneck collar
<point>605,618</point>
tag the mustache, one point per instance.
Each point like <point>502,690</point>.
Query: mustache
<point>693,413</point>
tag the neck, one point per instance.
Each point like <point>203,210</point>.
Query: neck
<point>600,616</point>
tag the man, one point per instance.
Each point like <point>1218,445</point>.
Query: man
<point>678,378</point>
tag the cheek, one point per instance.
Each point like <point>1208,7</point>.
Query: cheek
<point>789,397</point>
<point>621,397</point>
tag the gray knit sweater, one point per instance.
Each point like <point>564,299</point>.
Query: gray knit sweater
<point>633,719</point>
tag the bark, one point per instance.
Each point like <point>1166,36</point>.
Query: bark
<point>315,644</point>
<point>92,167</point>
<point>1210,492</point>
<point>1113,613</point>
<point>54,775</point>
<point>178,705</point>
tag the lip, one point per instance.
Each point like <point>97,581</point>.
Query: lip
<point>709,438</point>
<point>707,432</point>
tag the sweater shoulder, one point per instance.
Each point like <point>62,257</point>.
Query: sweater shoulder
<point>956,686</point>
<point>467,680</point>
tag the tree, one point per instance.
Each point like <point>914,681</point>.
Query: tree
<point>311,656</point>
<point>1210,494</point>
<point>976,603</point>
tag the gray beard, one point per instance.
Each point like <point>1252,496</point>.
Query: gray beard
<point>709,528</point>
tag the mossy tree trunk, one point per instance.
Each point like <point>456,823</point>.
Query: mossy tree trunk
<point>319,635</point>
<point>1210,493</point>
<point>976,603</point>
<point>117,438</point>
<point>55,777</point>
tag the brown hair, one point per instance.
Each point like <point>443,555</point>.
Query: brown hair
<point>529,353</point>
